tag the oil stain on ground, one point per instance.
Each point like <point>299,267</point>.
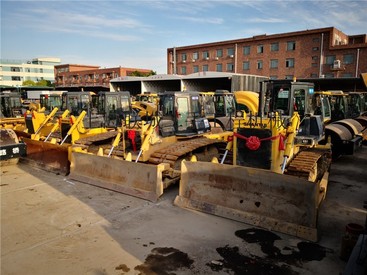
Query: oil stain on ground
<point>275,262</point>
<point>165,260</point>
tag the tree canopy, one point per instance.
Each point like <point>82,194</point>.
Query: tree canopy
<point>42,82</point>
<point>137,73</point>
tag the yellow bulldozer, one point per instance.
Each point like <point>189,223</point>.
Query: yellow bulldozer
<point>279,165</point>
<point>11,111</point>
<point>144,161</point>
<point>87,118</point>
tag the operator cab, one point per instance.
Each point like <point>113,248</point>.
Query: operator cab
<point>105,109</point>
<point>50,101</point>
<point>219,108</point>
<point>357,104</point>
<point>181,114</point>
<point>11,105</point>
<point>287,97</point>
<point>116,107</point>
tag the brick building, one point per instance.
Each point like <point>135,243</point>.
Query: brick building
<point>92,78</point>
<point>325,52</point>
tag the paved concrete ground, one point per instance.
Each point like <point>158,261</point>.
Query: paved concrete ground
<point>52,225</point>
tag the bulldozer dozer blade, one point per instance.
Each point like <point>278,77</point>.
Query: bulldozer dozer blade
<point>47,156</point>
<point>131,178</point>
<point>259,197</point>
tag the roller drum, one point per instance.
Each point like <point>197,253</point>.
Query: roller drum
<point>10,147</point>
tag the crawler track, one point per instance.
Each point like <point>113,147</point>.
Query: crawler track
<point>177,151</point>
<point>310,164</point>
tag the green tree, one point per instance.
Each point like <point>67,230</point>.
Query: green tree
<point>41,83</point>
<point>44,83</point>
<point>29,83</point>
<point>137,73</point>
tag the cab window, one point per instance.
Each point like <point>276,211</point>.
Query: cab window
<point>299,101</point>
<point>282,100</point>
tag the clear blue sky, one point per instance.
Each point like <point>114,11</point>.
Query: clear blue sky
<point>138,33</point>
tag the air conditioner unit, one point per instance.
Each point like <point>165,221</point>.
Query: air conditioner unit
<point>216,58</point>
<point>231,56</point>
<point>336,64</point>
<point>193,60</point>
<point>183,61</point>
<point>206,58</point>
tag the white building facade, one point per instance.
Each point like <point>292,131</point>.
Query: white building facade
<point>14,72</point>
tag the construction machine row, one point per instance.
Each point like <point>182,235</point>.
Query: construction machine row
<point>260,158</point>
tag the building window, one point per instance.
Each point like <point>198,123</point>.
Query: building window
<point>274,63</point>
<point>15,69</point>
<point>183,70</point>
<point>195,56</point>
<point>290,76</point>
<point>291,46</point>
<point>206,55</point>
<point>274,47</point>
<point>260,48</point>
<point>219,53</point>
<point>347,75</point>
<point>315,58</point>
<point>205,68</point>
<point>316,39</point>
<point>330,59</point>
<point>314,75</point>
<point>289,62</point>
<point>183,57</point>
<point>230,52</point>
<point>246,65</point>
<point>196,68</point>
<point>246,50</point>
<point>259,64</point>
<point>219,68</point>
<point>314,64</point>
<point>348,59</point>
<point>230,67</point>
<point>329,75</point>
<point>315,49</point>
<point>273,77</point>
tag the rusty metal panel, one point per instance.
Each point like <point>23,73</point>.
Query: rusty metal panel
<point>277,202</point>
<point>47,156</point>
<point>136,179</point>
